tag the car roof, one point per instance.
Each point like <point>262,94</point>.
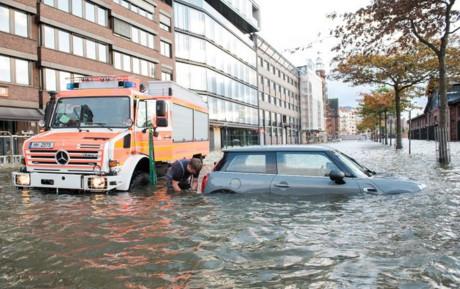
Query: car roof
<point>278,148</point>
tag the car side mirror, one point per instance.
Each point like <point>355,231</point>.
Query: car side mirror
<point>161,108</point>
<point>337,177</point>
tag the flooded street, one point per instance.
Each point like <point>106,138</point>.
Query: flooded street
<point>156,240</point>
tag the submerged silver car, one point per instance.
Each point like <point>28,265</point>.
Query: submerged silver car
<point>298,170</point>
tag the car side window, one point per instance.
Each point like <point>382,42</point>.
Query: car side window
<point>309,164</point>
<point>247,163</point>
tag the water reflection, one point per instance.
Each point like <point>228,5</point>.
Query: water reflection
<point>157,240</point>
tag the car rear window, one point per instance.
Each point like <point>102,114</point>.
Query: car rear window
<point>246,163</point>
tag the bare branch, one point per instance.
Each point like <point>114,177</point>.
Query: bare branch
<point>423,40</point>
<point>455,30</point>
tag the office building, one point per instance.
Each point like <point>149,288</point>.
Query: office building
<point>349,119</point>
<point>216,58</point>
<point>43,44</point>
<point>332,118</point>
<point>278,90</point>
<point>312,104</point>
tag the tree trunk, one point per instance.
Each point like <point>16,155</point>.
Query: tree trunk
<point>398,119</point>
<point>385,130</point>
<point>380,127</point>
<point>443,128</point>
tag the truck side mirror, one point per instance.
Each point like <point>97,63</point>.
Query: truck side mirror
<point>161,108</point>
<point>161,122</point>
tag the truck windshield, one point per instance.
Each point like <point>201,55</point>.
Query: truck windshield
<point>79,112</point>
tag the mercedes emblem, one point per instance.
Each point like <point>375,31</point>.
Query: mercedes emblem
<point>62,157</point>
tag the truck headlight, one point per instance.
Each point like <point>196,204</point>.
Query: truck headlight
<point>97,182</point>
<point>22,179</point>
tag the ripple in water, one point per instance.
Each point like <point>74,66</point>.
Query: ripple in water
<point>157,240</point>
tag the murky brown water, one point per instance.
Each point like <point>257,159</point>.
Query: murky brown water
<point>156,240</point>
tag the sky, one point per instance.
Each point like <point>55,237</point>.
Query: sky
<point>289,24</point>
<point>303,23</point>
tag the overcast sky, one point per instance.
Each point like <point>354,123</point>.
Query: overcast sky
<point>289,24</point>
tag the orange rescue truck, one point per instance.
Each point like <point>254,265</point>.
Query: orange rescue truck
<point>97,134</point>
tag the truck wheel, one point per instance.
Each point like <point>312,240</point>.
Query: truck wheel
<point>140,181</point>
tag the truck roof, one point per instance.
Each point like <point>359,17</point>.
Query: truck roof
<point>170,88</point>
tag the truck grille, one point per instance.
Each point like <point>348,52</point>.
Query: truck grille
<point>83,158</point>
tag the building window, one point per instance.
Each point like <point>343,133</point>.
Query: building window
<point>5,69</point>
<point>48,38</point>
<point>90,14</point>
<point>135,34</point>
<point>14,70</point>
<point>20,24</point>
<point>14,22</point>
<point>77,43</point>
<point>165,22</point>
<point>63,5</point>
<point>90,49</point>
<point>64,41</point>
<point>133,64</point>
<point>101,16</point>
<point>22,72</point>
<point>165,48</point>
<point>166,76</point>
<point>61,40</point>
<point>81,8</point>
<point>56,80</point>
<point>77,8</point>
<point>4,19</point>
<point>147,11</point>
<point>101,52</point>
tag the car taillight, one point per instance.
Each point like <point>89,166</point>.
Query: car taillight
<point>204,182</point>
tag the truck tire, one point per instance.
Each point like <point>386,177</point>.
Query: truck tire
<point>140,181</point>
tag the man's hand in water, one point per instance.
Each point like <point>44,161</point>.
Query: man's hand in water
<point>175,186</point>
<point>194,186</point>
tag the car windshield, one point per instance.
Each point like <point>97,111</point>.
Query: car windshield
<point>85,112</point>
<point>354,166</point>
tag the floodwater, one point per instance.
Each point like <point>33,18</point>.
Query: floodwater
<point>155,240</point>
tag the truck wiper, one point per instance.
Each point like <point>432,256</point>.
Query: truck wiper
<point>102,124</point>
<point>79,127</point>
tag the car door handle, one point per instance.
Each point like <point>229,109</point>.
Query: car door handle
<point>282,185</point>
<point>370,189</point>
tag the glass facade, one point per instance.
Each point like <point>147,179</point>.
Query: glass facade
<point>244,8</point>
<point>217,60</point>
<point>239,137</point>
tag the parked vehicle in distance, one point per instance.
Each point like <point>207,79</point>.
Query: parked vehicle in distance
<point>298,170</point>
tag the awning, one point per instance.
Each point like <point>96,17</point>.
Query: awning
<point>24,114</point>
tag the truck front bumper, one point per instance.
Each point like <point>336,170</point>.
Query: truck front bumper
<point>93,183</point>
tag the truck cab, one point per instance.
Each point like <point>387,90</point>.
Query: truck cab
<point>96,134</point>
